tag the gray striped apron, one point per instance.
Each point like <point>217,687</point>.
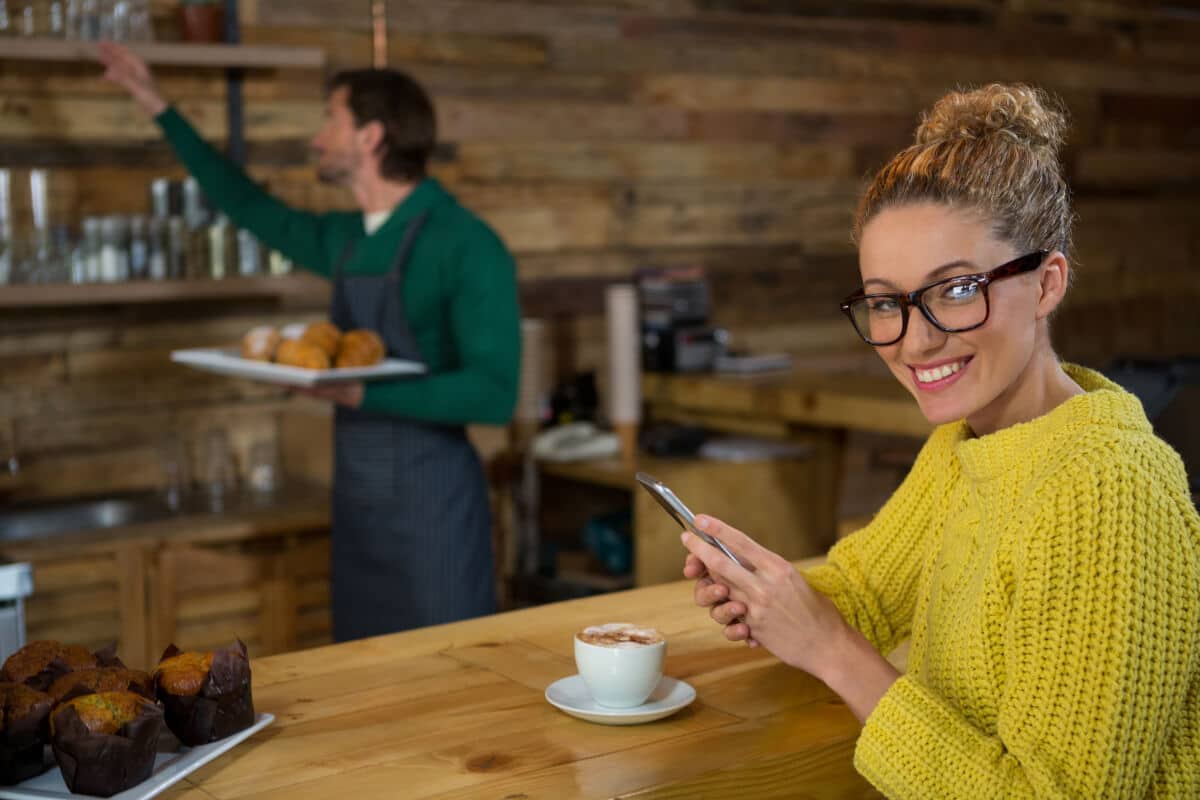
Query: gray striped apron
<point>411,542</point>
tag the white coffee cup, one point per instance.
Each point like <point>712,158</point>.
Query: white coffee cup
<point>623,673</point>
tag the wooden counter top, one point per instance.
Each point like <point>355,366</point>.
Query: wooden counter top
<point>298,507</point>
<point>820,398</point>
<point>458,711</point>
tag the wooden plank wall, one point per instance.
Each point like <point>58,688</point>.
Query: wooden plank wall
<point>599,136</point>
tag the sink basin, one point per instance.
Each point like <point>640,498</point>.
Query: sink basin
<point>51,519</point>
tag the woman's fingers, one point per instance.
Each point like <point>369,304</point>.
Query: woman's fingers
<point>719,565</point>
<point>746,549</point>
<point>694,567</point>
<point>727,613</point>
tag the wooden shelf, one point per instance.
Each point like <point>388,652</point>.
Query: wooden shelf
<point>291,287</point>
<point>178,54</point>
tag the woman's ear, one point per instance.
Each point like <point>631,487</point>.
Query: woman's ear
<point>1052,283</point>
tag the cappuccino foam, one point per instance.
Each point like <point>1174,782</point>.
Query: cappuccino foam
<point>619,634</point>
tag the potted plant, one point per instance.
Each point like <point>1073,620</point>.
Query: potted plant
<point>202,20</point>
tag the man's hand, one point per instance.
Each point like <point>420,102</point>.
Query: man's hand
<point>124,68</point>
<point>349,395</point>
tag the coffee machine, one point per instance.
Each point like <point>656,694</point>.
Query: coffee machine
<point>676,334</point>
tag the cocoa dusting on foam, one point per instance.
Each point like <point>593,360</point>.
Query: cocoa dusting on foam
<point>619,634</point>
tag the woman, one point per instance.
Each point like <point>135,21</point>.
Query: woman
<point>1043,553</point>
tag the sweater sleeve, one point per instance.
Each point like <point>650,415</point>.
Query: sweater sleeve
<point>1100,647</point>
<point>872,575</point>
<point>299,235</point>
<point>485,320</point>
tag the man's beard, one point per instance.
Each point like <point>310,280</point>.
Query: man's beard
<point>336,172</point>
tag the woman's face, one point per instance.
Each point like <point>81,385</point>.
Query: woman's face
<point>954,375</point>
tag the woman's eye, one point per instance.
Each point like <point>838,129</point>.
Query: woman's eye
<point>882,305</point>
<point>961,291</point>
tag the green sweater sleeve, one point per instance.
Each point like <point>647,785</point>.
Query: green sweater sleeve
<point>1099,650</point>
<point>301,236</point>
<point>873,575</point>
<point>485,320</point>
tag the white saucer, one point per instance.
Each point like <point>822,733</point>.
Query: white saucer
<point>572,696</point>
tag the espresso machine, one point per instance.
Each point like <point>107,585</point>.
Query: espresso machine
<point>676,334</point>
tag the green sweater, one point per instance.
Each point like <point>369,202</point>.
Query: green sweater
<point>459,291</point>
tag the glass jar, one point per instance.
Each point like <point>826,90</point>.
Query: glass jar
<point>114,250</point>
<point>249,254</point>
<point>280,264</point>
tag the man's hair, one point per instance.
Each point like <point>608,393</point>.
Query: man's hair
<point>401,106</point>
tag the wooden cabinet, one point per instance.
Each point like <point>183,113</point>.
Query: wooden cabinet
<point>269,589</point>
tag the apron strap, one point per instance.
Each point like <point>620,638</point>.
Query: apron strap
<point>395,276</point>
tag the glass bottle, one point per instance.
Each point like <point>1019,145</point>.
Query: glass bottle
<point>158,249</point>
<point>177,248</point>
<point>93,242</point>
<point>139,248</point>
<point>222,248</point>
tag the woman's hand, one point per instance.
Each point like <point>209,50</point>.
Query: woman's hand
<point>715,597</point>
<point>126,69</point>
<point>798,624</point>
<point>776,605</point>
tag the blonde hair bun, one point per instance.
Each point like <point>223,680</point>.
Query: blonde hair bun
<point>1028,116</point>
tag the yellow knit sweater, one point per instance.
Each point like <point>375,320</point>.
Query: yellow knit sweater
<point>1049,576</point>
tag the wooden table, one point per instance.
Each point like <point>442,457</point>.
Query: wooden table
<point>457,711</point>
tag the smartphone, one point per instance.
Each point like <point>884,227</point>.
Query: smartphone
<point>681,513</point>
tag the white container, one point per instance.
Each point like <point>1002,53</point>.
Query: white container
<point>620,676</point>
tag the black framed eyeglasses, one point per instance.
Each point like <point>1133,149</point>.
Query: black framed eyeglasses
<point>952,305</point>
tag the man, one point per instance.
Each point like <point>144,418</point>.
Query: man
<point>411,523</point>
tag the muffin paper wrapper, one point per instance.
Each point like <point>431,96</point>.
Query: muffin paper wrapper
<point>103,764</point>
<point>222,707</point>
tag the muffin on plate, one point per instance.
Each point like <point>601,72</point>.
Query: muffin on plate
<point>205,696</point>
<point>23,715</point>
<point>360,348</point>
<point>259,343</point>
<point>297,353</point>
<point>102,679</point>
<point>39,663</point>
<point>105,742</point>
<point>324,335</point>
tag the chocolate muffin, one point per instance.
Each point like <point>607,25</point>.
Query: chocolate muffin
<point>39,663</point>
<point>23,714</point>
<point>105,742</point>
<point>205,696</point>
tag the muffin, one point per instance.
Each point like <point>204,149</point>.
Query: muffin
<point>361,348</point>
<point>23,715</point>
<point>105,742</point>
<point>104,679</point>
<point>324,335</point>
<point>259,343</point>
<point>205,696</point>
<point>39,663</point>
<point>296,353</point>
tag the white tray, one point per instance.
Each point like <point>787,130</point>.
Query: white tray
<point>224,362</point>
<point>169,768</point>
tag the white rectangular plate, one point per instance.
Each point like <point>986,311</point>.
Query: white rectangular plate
<point>224,362</point>
<point>169,768</point>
